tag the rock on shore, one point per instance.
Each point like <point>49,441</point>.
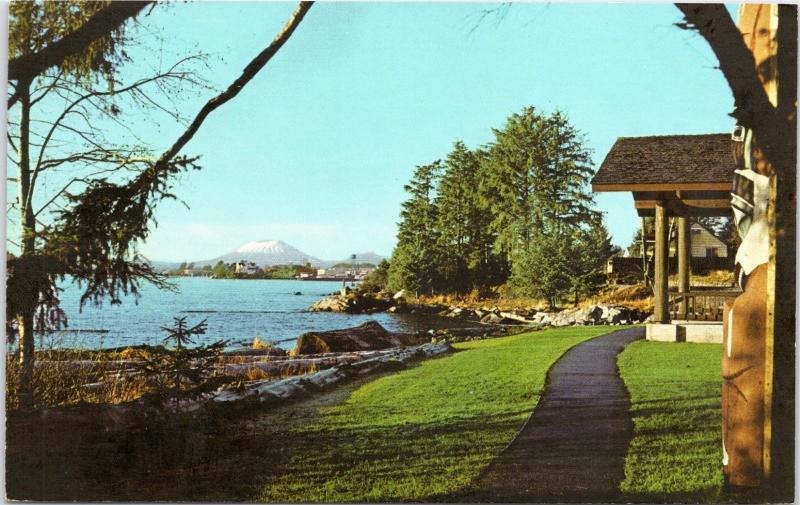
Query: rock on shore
<point>354,301</point>
<point>368,336</point>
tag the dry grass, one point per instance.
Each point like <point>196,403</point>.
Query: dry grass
<point>259,344</point>
<point>73,376</point>
<point>473,301</point>
<point>255,373</point>
<point>637,296</point>
<point>60,383</point>
<point>720,278</point>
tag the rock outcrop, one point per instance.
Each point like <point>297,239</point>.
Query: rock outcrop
<point>368,336</point>
<point>355,301</point>
<point>591,315</point>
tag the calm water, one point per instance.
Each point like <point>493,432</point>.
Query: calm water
<point>237,310</point>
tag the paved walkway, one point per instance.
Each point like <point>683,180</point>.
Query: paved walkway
<point>572,449</point>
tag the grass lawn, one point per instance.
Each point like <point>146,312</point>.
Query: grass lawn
<point>423,433</point>
<point>676,452</point>
<point>420,434</point>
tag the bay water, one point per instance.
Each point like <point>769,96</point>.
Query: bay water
<point>237,310</point>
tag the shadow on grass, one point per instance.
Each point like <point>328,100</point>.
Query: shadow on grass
<point>306,451</point>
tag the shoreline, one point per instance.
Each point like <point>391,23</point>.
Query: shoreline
<point>516,312</point>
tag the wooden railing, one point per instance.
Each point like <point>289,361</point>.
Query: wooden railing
<point>699,305</point>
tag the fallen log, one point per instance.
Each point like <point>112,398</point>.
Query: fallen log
<point>271,391</point>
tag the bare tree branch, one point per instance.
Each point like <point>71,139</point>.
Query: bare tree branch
<point>248,73</point>
<point>58,123</point>
<point>45,89</point>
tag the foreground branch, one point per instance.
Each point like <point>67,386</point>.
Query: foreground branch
<point>105,21</point>
<point>97,233</point>
<point>248,73</point>
<point>753,108</point>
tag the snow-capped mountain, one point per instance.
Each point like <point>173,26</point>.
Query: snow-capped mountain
<point>265,253</point>
<point>273,252</point>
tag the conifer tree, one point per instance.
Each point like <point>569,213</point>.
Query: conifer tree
<point>513,172</point>
<point>591,249</point>
<point>538,173</point>
<point>415,259</point>
<point>463,222</point>
<point>542,270</point>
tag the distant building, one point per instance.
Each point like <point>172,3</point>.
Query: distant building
<point>705,244</point>
<point>355,273</point>
<point>707,252</point>
<point>246,267</point>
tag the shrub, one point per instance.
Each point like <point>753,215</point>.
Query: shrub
<point>179,372</point>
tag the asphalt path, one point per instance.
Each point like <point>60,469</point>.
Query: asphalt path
<point>573,446</point>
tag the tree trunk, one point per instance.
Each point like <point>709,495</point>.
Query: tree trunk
<point>28,230</point>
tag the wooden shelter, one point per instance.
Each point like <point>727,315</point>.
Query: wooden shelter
<point>672,176</point>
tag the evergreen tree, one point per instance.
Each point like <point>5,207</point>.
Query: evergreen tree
<point>521,206</point>
<point>415,259</point>
<point>537,180</point>
<point>591,249</point>
<point>514,164</point>
<point>221,271</point>
<point>33,26</point>
<point>542,269</point>
<point>378,279</point>
<point>563,188</point>
<point>463,223</point>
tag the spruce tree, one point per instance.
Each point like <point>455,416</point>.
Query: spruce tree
<point>539,171</point>
<point>463,223</point>
<point>415,259</point>
<point>513,176</point>
<point>590,252</point>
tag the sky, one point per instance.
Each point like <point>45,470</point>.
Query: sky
<point>316,149</point>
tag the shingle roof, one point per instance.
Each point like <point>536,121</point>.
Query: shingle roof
<point>679,160</point>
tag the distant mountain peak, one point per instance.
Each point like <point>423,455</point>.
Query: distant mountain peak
<point>264,246</point>
<point>277,252</point>
<point>264,253</point>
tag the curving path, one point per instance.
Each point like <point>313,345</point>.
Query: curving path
<point>572,448</point>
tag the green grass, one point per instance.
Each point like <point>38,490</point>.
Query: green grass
<point>423,433</point>
<point>676,454</point>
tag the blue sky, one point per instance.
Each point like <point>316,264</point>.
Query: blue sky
<point>316,149</point>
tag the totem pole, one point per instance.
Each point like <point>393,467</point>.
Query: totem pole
<point>748,330</point>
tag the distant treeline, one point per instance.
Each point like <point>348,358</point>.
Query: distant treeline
<point>224,270</point>
<point>516,214</point>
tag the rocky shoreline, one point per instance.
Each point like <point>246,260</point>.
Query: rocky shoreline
<point>356,302</point>
<point>270,375</point>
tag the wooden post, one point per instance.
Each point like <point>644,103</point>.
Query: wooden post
<point>661,312</point>
<point>684,261</point>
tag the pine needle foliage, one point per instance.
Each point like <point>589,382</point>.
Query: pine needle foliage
<point>180,372</point>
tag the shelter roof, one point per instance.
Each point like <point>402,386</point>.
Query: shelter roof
<point>668,163</point>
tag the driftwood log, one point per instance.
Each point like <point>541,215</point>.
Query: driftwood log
<point>115,417</point>
<point>295,366</point>
<point>271,391</point>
